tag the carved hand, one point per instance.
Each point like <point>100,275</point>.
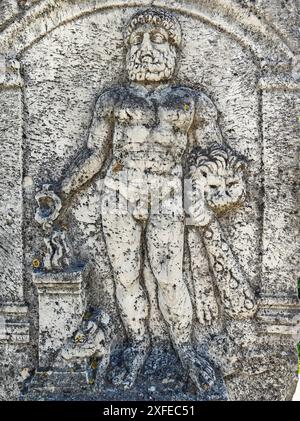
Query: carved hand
<point>201,215</point>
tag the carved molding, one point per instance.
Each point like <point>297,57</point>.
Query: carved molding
<point>59,282</point>
<point>14,328</point>
<point>279,83</point>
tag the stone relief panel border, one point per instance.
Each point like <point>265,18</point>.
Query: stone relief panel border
<point>15,328</point>
<point>269,86</point>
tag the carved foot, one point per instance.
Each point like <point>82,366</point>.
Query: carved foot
<point>134,358</point>
<point>197,368</point>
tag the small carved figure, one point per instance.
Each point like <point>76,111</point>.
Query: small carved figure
<point>57,254</point>
<point>57,251</point>
<point>92,343</point>
<point>218,186</point>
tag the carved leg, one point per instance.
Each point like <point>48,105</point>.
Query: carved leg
<point>123,240</point>
<point>101,370</point>
<point>134,358</point>
<point>205,301</point>
<point>165,242</point>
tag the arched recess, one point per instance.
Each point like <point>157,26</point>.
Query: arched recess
<point>278,129</point>
<point>242,24</point>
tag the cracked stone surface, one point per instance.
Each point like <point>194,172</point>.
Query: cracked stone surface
<point>149,200</point>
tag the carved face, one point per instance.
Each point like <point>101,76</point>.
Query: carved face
<point>218,178</point>
<point>150,57</point>
<point>224,189</point>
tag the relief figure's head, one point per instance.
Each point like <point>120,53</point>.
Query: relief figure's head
<point>220,175</point>
<point>152,37</point>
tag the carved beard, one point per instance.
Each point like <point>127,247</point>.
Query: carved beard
<point>154,67</point>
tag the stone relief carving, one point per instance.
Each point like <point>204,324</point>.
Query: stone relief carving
<point>161,144</point>
<point>148,123</point>
<point>91,343</point>
<point>57,250</point>
<point>218,186</point>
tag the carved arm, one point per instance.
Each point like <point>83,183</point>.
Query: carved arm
<point>206,129</point>
<point>90,161</point>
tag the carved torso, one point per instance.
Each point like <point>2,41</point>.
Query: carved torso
<point>150,131</point>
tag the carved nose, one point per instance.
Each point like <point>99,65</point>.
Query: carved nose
<point>146,46</point>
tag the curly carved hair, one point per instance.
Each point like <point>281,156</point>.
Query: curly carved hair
<point>157,17</point>
<point>215,158</point>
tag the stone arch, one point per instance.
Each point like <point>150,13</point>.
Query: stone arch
<point>239,22</point>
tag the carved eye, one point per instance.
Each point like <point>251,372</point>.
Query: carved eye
<point>213,186</point>
<point>158,38</point>
<point>232,183</point>
<point>136,39</point>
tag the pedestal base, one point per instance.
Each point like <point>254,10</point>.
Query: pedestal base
<point>61,307</point>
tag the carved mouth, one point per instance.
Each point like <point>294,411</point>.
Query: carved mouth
<point>147,56</point>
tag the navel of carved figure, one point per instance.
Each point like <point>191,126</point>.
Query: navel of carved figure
<point>148,124</point>
<point>92,343</point>
<point>218,186</point>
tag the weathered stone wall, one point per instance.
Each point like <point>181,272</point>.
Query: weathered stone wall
<point>244,56</point>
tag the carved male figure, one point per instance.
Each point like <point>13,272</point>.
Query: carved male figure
<point>148,125</point>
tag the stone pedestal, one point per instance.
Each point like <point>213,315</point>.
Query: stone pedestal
<point>61,307</point>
